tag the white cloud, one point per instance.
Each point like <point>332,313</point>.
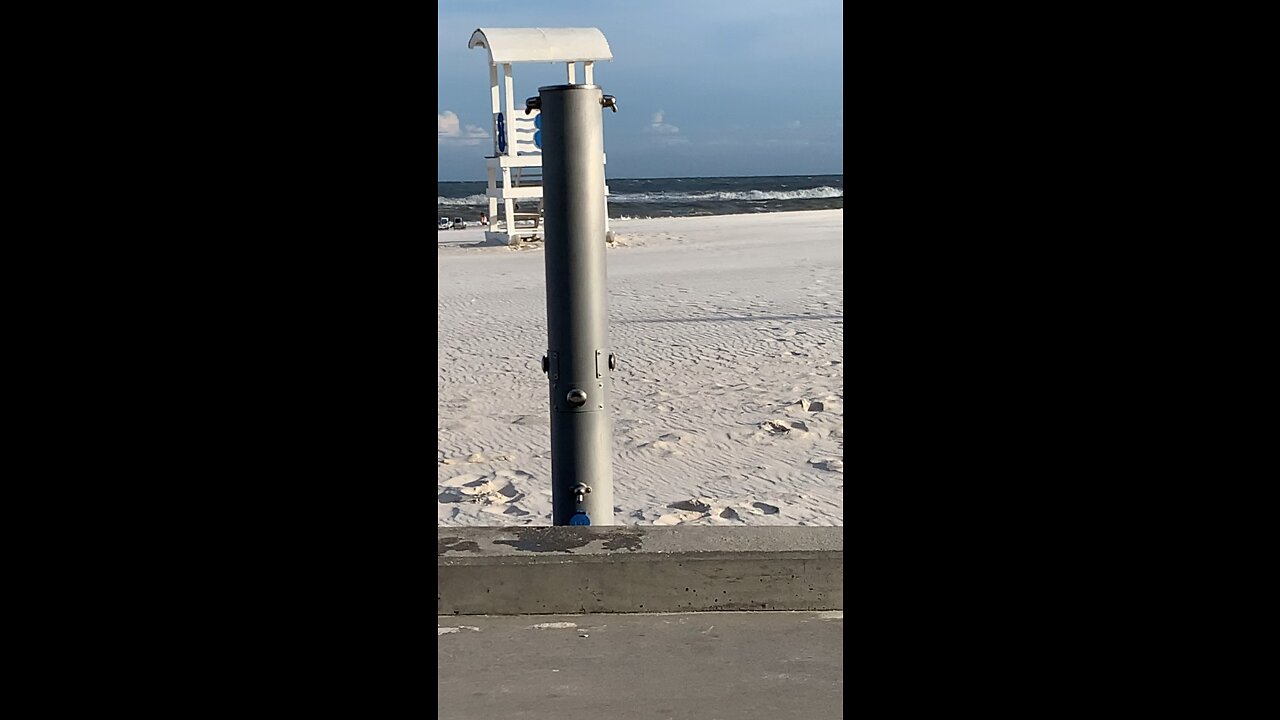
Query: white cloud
<point>447,123</point>
<point>794,125</point>
<point>449,130</point>
<point>658,127</point>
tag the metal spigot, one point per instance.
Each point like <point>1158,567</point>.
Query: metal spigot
<point>610,102</point>
<point>531,104</point>
<point>580,492</point>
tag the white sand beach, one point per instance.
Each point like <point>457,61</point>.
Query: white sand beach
<point>728,401</point>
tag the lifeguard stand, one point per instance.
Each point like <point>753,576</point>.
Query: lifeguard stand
<point>515,167</point>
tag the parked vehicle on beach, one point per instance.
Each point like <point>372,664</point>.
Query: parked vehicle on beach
<point>459,224</point>
<point>443,224</point>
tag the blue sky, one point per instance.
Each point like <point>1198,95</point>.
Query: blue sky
<point>704,87</point>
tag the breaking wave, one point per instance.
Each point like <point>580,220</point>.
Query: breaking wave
<point>677,197</point>
<point>468,200</point>
<point>687,197</point>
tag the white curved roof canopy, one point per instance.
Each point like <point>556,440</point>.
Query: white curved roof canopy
<point>515,45</point>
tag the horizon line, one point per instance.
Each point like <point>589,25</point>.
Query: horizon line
<point>681,177</point>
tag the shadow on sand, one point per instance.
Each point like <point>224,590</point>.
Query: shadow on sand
<point>495,242</point>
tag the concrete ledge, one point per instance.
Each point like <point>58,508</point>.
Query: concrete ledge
<point>624,569</point>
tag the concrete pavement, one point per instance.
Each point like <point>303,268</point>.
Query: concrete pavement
<point>700,666</point>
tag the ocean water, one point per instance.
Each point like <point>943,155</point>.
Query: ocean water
<point>679,197</point>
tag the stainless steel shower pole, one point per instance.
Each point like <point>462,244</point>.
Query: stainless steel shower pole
<point>578,360</point>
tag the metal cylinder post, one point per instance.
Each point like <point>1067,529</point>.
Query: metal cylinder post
<point>578,361</point>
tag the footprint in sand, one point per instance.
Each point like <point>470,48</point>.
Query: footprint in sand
<point>664,447</point>
<point>466,479</point>
<point>697,505</point>
<point>495,489</point>
<point>765,508</point>
<point>508,510</point>
<point>474,458</point>
<point>451,495</point>
<point>475,489</point>
<point>775,427</point>
<point>507,494</point>
<point>465,488</point>
<point>677,518</point>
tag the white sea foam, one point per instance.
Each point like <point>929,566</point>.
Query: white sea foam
<point>677,197</point>
<point>478,199</point>
<point>681,197</point>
